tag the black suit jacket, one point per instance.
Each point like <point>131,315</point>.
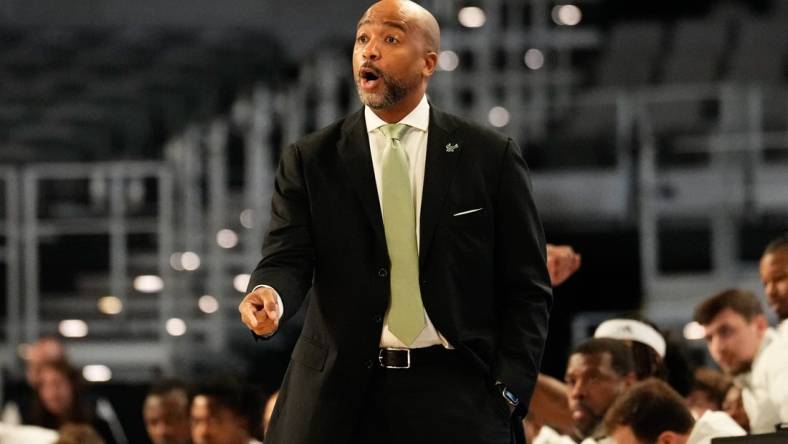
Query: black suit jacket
<point>483,277</point>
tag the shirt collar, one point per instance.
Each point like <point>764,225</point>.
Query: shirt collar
<point>418,118</point>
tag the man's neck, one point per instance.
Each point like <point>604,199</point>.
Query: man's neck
<point>399,110</point>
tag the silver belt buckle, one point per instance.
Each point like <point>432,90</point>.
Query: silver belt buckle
<point>407,355</point>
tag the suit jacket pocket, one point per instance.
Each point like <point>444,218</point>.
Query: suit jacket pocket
<point>471,216</point>
<point>310,354</point>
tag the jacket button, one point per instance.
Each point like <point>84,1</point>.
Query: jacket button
<point>369,363</point>
<point>382,272</point>
<point>378,319</point>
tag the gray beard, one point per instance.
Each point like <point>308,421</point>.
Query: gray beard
<point>393,92</point>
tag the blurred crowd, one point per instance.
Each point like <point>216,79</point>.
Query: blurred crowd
<point>618,388</point>
<point>54,407</point>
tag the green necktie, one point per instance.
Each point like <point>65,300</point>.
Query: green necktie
<point>405,316</point>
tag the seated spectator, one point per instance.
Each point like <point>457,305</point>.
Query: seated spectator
<point>647,347</point>
<point>741,343</point>
<point>78,434</point>
<point>647,344</point>
<point>220,415</point>
<point>734,407</point>
<point>773,270</point>
<point>598,371</point>
<point>166,413</point>
<point>708,391</point>
<point>736,329</point>
<point>653,413</point>
<point>59,401</point>
<point>769,403</point>
<point>46,350</point>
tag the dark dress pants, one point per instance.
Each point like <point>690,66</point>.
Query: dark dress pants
<point>441,398</point>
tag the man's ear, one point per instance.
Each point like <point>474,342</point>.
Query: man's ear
<point>430,64</point>
<point>670,437</point>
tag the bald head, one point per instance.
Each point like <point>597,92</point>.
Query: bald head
<point>413,16</point>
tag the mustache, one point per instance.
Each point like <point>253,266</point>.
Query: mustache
<point>373,69</point>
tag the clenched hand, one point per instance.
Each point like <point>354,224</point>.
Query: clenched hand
<point>260,311</point>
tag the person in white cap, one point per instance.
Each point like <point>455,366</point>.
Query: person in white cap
<point>645,341</point>
<point>549,413</point>
<point>598,371</point>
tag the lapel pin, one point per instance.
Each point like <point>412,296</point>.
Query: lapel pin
<point>451,147</point>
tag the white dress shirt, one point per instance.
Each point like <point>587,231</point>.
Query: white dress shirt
<point>714,425</point>
<point>765,397</point>
<point>23,434</point>
<point>783,328</point>
<point>548,435</point>
<point>415,144</point>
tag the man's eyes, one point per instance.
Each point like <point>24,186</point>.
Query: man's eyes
<point>389,39</point>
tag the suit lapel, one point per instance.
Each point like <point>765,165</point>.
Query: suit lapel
<point>439,171</point>
<point>353,148</point>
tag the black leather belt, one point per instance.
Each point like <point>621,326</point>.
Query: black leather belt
<point>405,358</point>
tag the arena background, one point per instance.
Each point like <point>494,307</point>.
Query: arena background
<point>138,142</point>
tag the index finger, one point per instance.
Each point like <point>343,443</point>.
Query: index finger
<point>249,313</point>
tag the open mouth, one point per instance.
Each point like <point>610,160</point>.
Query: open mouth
<point>369,78</point>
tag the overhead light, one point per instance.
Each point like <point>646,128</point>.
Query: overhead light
<point>176,326</point>
<point>148,283</point>
<point>96,373</point>
<point>190,261</point>
<point>176,261</point>
<point>73,328</point>
<point>448,60</point>
<point>110,305</point>
<point>240,282</point>
<point>694,331</point>
<point>226,238</point>
<point>247,218</point>
<point>499,116</point>
<point>534,59</point>
<point>472,17</point>
<point>567,15</point>
<point>208,304</point>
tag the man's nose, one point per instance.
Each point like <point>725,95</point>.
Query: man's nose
<point>577,390</point>
<point>715,345</point>
<point>371,51</point>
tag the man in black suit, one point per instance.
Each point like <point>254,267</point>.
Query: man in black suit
<point>417,235</point>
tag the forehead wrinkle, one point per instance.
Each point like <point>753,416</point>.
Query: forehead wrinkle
<point>403,26</point>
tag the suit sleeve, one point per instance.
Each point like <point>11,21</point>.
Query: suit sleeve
<point>287,262</point>
<point>522,281</point>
